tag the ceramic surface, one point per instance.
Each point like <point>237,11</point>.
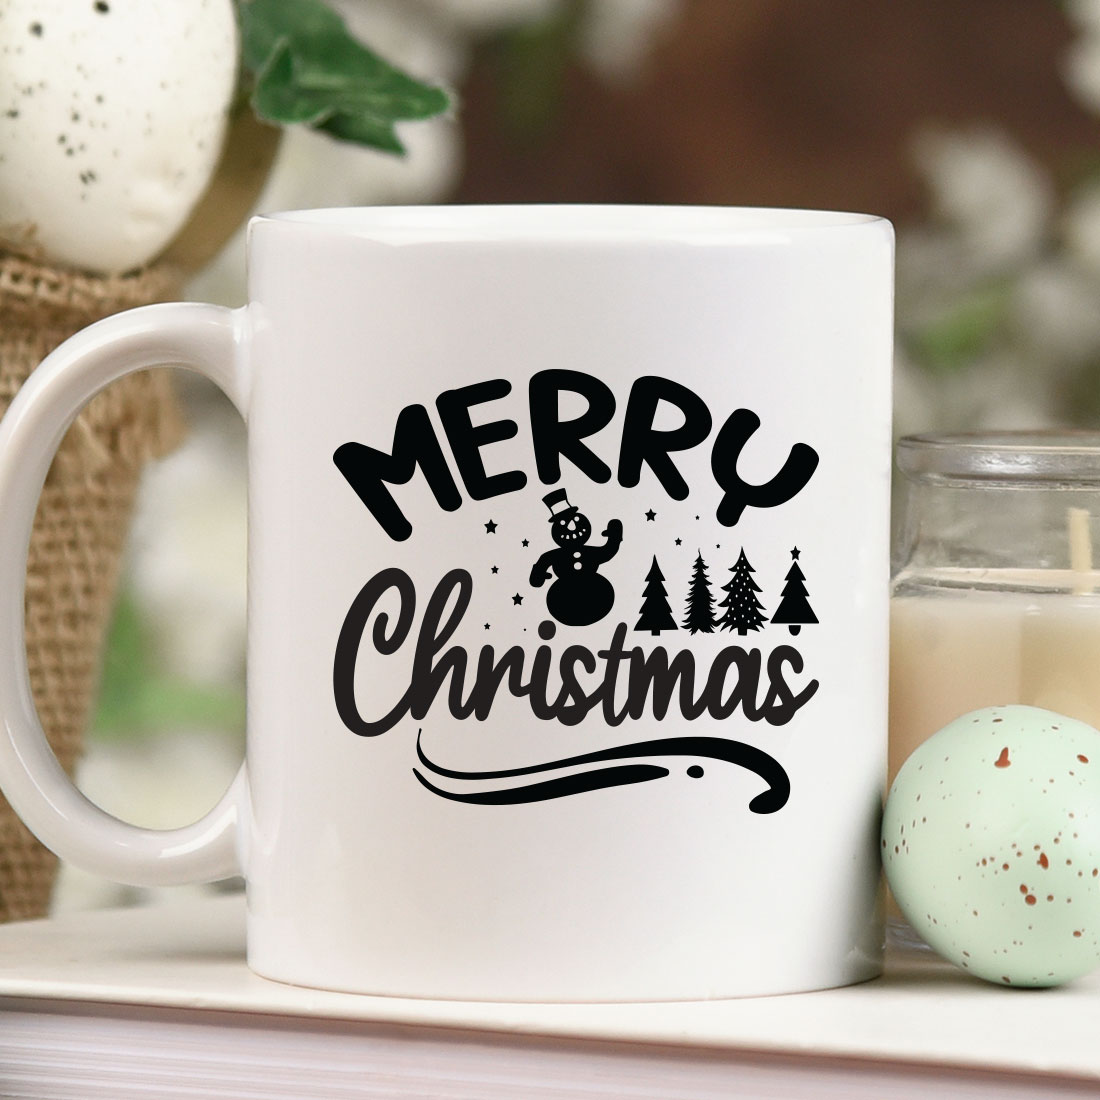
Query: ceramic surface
<point>567,597</point>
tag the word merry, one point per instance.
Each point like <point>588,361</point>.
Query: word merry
<point>583,681</point>
<point>416,446</point>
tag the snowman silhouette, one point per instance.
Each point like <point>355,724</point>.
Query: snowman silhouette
<point>580,596</point>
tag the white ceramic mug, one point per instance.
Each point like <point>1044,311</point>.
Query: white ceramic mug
<point>567,599</point>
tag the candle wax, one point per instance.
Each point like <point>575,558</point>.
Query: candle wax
<point>956,649</point>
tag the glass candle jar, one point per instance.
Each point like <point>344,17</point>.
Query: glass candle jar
<point>994,598</point>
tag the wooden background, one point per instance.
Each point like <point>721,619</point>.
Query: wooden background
<point>813,103</point>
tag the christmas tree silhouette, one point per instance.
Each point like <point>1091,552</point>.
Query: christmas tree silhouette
<point>742,607</point>
<point>794,609</point>
<point>656,614</point>
<point>700,602</point>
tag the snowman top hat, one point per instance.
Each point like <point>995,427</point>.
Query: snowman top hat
<point>558,503</point>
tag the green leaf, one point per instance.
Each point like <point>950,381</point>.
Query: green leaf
<point>265,22</point>
<point>308,70</point>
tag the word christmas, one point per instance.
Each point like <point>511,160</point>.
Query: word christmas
<point>416,446</point>
<point>620,682</point>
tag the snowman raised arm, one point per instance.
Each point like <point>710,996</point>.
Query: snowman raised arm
<point>580,596</point>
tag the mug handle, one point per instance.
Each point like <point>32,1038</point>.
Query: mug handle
<point>211,340</point>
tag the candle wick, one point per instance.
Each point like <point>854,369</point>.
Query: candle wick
<point>1080,549</point>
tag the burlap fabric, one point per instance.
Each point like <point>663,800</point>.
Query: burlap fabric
<point>81,525</point>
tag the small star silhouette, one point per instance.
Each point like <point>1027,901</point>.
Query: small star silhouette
<point>495,569</point>
<point>526,543</point>
<point>517,598</point>
<point>486,626</point>
<point>491,527</point>
<point>795,552</point>
<point>678,541</point>
<point>650,516</point>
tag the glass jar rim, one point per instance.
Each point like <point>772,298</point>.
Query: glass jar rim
<point>1065,455</point>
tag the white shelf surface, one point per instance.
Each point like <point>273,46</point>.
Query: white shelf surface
<point>191,957</point>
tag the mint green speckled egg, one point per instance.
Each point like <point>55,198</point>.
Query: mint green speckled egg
<point>991,845</point>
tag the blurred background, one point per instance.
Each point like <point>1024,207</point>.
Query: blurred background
<point>972,126</point>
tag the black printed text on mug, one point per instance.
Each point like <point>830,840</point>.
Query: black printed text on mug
<point>608,677</point>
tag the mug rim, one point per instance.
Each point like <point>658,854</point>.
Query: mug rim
<point>618,222</point>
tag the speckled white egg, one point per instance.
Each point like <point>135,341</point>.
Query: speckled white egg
<point>991,844</point>
<point>112,114</point>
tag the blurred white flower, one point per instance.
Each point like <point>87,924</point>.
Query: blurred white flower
<point>997,297</point>
<point>915,408</point>
<point>161,783</point>
<point>934,268</point>
<point>480,16</point>
<point>1054,309</point>
<point>1081,70</point>
<point>990,319</point>
<point>1001,392</point>
<point>1081,65</point>
<point>987,193</point>
<point>1081,229</point>
<point>408,34</point>
<point>1085,13</point>
<point>617,35</point>
<point>188,554</point>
